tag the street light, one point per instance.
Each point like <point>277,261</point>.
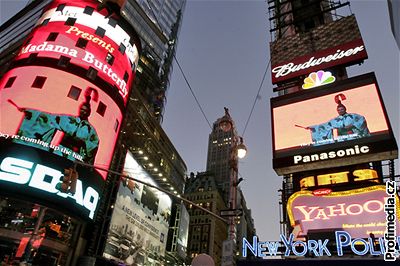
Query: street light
<point>237,150</point>
<point>241,149</point>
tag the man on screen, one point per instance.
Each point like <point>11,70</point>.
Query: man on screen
<point>80,137</point>
<point>79,140</point>
<point>348,126</point>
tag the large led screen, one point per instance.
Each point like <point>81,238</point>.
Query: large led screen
<point>343,120</point>
<point>360,212</point>
<point>67,116</point>
<point>139,224</point>
<point>85,37</point>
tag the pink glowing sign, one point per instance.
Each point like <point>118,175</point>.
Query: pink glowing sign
<point>359,212</point>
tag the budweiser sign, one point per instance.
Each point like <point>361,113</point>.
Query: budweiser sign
<point>353,51</point>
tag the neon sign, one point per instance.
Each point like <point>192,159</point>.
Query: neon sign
<point>359,211</point>
<point>45,179</point>
<point>342,54</point>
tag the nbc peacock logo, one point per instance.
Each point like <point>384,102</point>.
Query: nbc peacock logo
<point>318,78</point>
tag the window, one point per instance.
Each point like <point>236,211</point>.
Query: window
<point>38,82</point>
<point>63,61</point>
<point>74,93</point>
<point>91,73</point>
<point>88,10</point>
<point>52,37</point>
<point>116,125</point>
<point>45,22</point>
<point>101,109</point>
<point>110,59</point>
<point>112,22</point>
<point>126,76</point>
<point>81,43</point>
<point>70,21</point>
<point>32,57</point>
<point>100,31</point>
<point>60,7</point>
<point>10,82</point>
<point>122,48</point>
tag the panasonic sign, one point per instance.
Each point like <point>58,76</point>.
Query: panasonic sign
<point>44,178</point>
<point>330,155</point>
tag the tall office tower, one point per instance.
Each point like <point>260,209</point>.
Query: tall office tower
<point>158,24</point>
<point>63,99</point>
<point>320,121</point>
<point>142,146</point>
<point>219,155</point>
<point>222,164</point>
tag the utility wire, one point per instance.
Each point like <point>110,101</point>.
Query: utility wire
<point>259,88</point>
<point>256,98</point>
<point>152,186</point>
<point>183,74</point>
<point>191,90</point>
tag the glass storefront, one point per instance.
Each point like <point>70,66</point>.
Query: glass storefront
<point>34,234</point>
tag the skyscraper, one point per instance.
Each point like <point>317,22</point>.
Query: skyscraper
<point>222,164</point>
<point>218,156</point>
<point>141,140</point>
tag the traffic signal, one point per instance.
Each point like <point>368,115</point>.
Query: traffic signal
<point>68,181</point>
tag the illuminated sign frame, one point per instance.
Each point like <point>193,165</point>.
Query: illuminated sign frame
<point>336,194</point>
<point>298,158</point>
<point>31,174</point>
<point>338,55</point>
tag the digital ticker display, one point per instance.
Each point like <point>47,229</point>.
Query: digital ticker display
<point>344,120</point>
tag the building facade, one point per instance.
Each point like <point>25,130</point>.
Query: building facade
<point>141,141</point>
<point>206,233</point>
<point>317,154</point>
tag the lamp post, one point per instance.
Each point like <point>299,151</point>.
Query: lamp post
<point>237,150</point>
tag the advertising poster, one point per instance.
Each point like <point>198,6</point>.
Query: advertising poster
<point>183,231</point>
<point>140,221</point>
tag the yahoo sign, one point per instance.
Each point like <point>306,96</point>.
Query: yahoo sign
<point>359,212</point>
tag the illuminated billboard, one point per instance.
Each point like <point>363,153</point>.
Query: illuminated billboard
<point>140,221</point>
<point>83,37</point>
<point>64,99</point>
<point>338,124</point>
<point>32,175</point>
<point>344,53</point>
<point>360,212</point>
<point>67,116</point>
